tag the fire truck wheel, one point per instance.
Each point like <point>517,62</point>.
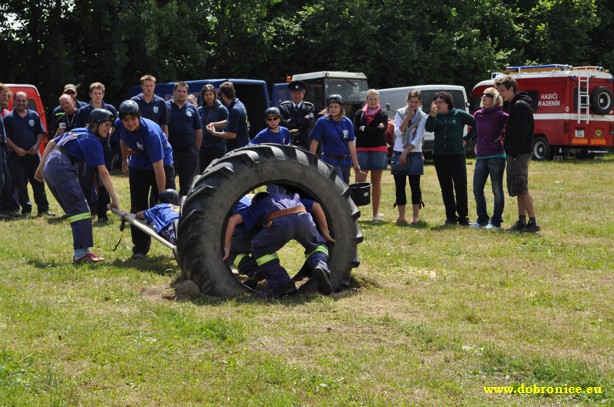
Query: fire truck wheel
<point>602,100</point>
<point>541,149</point>
<point>208,205</point>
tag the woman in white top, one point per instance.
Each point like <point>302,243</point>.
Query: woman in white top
<point>407,159</point>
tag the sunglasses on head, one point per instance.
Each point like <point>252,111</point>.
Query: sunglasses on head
<point>488,95</point>
<point>70,92</point>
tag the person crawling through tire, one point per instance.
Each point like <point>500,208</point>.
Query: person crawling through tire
<point>164,215</point>
<point>282,218</point>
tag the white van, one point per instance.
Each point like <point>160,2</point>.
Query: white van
<point>396,98</point>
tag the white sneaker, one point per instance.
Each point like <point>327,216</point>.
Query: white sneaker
<point>378,217</point>
<point>476,225</point>
<point>490,226</point>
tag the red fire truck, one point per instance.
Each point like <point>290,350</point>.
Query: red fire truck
<point>572,107</point>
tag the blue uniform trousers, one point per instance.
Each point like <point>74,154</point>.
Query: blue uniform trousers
<point>62,176</point>
<point>23,170</point>
<point>240,250</point>
<point>298,226</point>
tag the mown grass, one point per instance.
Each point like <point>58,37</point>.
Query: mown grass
<point>436,314</point>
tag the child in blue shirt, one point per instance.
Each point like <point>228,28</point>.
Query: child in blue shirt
<point>274,133</point>
<point>164,215</point>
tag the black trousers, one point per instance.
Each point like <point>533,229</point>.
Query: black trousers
<point>22,171</point>
<point>141,183</point>
<point>186,165</point>
<point>452,175</point>
<point>207,155</point>
<point>7,197</point>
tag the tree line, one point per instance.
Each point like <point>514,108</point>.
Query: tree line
<point>394,42</point>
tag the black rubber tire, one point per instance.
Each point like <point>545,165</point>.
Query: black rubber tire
<point>206,208</point>
<point>602,100</point>
<point>541,149</point>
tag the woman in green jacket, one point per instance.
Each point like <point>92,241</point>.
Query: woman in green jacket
<point>448,124</point>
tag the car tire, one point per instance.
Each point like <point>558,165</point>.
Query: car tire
<point>541,149</point>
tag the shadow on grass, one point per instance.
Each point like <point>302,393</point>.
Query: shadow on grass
<point>162,265</point>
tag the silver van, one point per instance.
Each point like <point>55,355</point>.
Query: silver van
<point>396,98</point>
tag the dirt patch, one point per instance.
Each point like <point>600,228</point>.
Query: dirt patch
<point>177,291</point>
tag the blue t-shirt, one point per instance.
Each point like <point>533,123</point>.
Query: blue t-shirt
<point>148,142</point>
<point>154,110</point>
<point>23,132</point>
<point>237,123</point>
<point>162,216</point>
<point>211,114</point>
<point>334,137</point>
<point>182,125</point>
<point>268,136</point>
<point>86,147</point>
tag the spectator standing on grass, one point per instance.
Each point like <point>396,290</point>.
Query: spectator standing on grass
<point>518,145</point>
<point>71,90</point>
<point>9,208</point>
<point>25,133</point>
<point>370,124</point>
<point>297,115</point>
<point>407,159</point>
<point>185,133</point>
<point>97,198</point>
<point>490,122</point>
<point>66,118</point>
<point>147,159</point>
<point>152,106</point>
<point>237,125</point>
<point>211,111</point>
<point>335,132</point>
<point>60,167</point>
<point>448,124</point>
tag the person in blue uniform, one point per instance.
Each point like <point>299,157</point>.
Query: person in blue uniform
<point>98,198</point>
<point>164,215</point>
<point>282,218</point>
<point>237,125</point>
<point>297,114</point>
<point>211,111</point>
<point>147,159</point>
<point>274,133</point>
<point>335,133</point>
<point>152,106</point>
<point>185,133</point>
<point>59,167</point>
<point>24,133</point>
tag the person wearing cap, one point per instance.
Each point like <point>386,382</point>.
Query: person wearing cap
<point>152,106</point>
<point>298,114</point>
<point>59,166</point>
<point>71,90</point>
<point>98,198</point>
<point>274,133</point>
<point>335,132</point>
<point>147,159</point>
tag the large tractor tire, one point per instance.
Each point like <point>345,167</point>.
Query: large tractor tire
<point>207,207</point>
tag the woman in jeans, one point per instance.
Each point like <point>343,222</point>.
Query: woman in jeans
<point>407,160</point>
<point>490,158</point>
<point>448,124</point>
<point>211,110</point>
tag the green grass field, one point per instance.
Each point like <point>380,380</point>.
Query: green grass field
<point>436,314</point>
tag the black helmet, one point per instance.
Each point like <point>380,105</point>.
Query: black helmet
<point>101,116</point>
<point>336,98</point>
<point>129,108</point>
<point>169,196</point>
<point>272,112</point>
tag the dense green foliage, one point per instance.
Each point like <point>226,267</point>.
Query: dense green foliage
<point>396,43</point>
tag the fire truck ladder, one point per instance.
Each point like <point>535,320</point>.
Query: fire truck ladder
<point>584,103</point>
